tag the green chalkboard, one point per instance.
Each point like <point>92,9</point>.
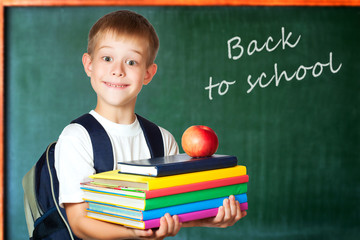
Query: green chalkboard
<point>280,86</point>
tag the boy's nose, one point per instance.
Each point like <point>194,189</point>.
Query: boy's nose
<point>118,71</point>
<point>120,74</point>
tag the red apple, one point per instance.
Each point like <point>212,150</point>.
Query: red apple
<point>199,141</point>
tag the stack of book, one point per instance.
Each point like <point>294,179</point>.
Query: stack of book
<point>141,192</point>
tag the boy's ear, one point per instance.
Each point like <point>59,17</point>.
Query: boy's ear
<point>150,72</point>
<point>86,60</point>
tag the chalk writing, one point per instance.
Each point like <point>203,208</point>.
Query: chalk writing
<point>299,74</point>
<point>219,86</point>
<point>236,50</point>
<point>253,45</point>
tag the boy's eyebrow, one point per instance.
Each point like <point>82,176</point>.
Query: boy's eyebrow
<point>133,50</point>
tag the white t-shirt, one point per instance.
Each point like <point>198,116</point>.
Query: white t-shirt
<point>74,154</point>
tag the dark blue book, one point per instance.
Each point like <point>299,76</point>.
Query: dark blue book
<point>176,164</point>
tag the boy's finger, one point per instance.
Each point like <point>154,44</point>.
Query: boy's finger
<point>233,206</point>
<point>227,210</point>
<point>143,233</point>
<point>236,215</point>
<point>163,229</point>
<point>170,223</point>
<point>238,212</point>
<point>177,225</point>
<point>220,215</point>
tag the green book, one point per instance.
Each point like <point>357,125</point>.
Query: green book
<point>166,201</point>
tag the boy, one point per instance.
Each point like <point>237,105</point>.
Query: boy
<point>121,51</point>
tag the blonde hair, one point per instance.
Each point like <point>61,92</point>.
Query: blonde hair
<point>128,23</point>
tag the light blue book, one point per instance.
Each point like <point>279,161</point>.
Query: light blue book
<point>158,213</point>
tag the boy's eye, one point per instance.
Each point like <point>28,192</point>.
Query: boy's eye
<point>131,62</point>
<point>107,59</point>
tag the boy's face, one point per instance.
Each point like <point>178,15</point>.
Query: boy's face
<point>118,70</point>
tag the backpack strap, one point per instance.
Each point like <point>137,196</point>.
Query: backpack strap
<point>102,147</point>
<point>153,137</point>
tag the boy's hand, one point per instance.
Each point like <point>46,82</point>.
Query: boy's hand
<point>169,226</point>
<point>227,216</point>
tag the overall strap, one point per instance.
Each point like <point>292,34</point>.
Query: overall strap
<point>153,137</point>
<point>102,147</point>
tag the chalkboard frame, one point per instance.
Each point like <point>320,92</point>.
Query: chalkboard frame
<point>69,3</point>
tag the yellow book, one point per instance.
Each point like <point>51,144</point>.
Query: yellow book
<point>151,183</point>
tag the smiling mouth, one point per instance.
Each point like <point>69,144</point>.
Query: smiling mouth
<point>116,85</point>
